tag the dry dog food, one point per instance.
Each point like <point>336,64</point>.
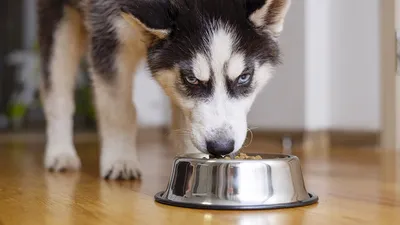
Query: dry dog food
<point>243,156</point>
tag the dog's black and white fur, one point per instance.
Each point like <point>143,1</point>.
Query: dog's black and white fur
<point>211,57</point>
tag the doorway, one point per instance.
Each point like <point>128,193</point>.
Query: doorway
<point>397,16</point>
<point>390,73</point>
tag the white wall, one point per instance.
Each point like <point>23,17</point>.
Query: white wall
<point>355,64</point>
<point>152,106</point>
<point>331,69</point>
<point>281,104</point>
<point>318,72</point>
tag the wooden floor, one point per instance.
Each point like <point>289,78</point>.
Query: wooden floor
<point>355,186</point>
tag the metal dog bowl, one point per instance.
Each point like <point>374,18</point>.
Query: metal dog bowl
<point>198,181</point>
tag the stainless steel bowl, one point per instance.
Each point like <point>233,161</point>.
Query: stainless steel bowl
<point>198,181</point>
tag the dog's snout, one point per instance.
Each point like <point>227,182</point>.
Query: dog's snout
<point>220,147</point>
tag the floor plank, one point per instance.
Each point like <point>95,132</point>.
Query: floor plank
<point>355,186</point>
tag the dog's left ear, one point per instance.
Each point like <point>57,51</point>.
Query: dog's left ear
<point>153,16</point>
<point>268,15</point>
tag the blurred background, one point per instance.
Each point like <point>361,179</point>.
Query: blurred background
<point>330,79</point>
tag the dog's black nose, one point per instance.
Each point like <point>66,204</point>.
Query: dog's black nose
<point>220,147</point>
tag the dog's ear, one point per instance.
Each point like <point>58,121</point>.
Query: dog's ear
<point>153,16</point>
<point>268,15</point>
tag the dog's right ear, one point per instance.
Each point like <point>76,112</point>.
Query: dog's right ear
<point>153,16</point>
<point>268,15</point>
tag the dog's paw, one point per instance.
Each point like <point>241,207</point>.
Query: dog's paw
<point>62,160</point>
<point>120,167</point>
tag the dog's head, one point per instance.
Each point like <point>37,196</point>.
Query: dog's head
<point>212,57</point>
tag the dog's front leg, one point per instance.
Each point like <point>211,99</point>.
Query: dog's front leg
<point>180,132</point>
<point>61,50</point>
<point>113,66</point>
<point>117,125</point>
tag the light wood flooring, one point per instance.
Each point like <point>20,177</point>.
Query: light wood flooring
<point>355,186</point>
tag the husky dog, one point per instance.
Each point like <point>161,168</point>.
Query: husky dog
<point>211,57</point>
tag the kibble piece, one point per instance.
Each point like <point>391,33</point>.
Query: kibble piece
<point>244,156</point>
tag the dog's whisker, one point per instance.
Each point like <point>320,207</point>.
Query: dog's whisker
<point>182,132</point>
<point>251,138</point>
<point>252,128</point>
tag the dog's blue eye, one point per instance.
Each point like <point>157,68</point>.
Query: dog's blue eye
<point>243,79</point>
<point>192,79</point>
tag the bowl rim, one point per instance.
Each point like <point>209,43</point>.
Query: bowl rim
<point>279,157</point>
<point>311,200</point>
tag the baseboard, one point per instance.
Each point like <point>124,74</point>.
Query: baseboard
<point>80,136</point>
<point>354,138</point>
<point>278,136</point>
<point>332,138</point>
